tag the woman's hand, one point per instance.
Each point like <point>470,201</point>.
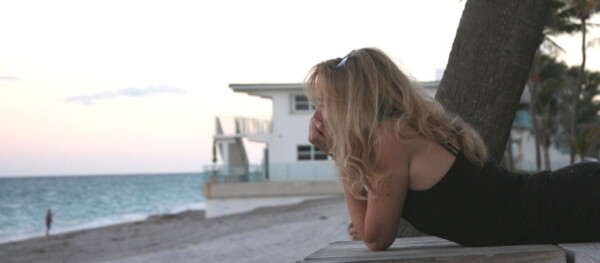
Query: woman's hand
<point>354,236</point>
<point>317,134</point>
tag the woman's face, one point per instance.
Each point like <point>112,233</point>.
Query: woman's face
<point>320,113</point>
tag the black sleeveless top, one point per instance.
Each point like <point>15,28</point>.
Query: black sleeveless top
<point>488,206</point>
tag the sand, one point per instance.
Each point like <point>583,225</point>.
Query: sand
<point>270,234</point>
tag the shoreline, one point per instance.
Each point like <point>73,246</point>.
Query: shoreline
<point>82,227</point>
<point>93,225</point>
<point>267,234</point>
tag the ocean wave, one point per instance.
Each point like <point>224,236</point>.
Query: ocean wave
<point>84,202</point>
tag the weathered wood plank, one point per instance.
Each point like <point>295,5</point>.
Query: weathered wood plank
<point>399,243</point>
<point>432,249</point>
<point>582,252</point>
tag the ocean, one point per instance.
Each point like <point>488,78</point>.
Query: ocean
<point>81,202</point>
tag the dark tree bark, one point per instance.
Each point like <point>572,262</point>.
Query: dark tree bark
<point>489,64</point>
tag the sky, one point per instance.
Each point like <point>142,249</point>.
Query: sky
<point>116,87</point>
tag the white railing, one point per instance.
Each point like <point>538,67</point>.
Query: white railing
<point>302,171</point>
<point>239,125</point>
<point>277,172</point>
<point>234,173</point>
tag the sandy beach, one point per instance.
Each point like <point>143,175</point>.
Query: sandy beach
<point>269,234</point>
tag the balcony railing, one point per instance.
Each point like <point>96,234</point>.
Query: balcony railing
<point>238,125</point>
<point>287,172</point>
<point>235,173</point>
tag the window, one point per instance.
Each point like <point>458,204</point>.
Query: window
<point>304,152</point>
<point>319,155</point>
<point>301,103</point>
<point>310,152</point>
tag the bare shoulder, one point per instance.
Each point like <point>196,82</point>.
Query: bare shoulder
<point>422,161</point>
<point>394,151</point>
<point>405,138</point>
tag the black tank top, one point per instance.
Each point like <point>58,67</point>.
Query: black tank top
<point>484,206</point>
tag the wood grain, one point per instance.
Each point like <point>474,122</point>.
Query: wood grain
<point>433,249</point>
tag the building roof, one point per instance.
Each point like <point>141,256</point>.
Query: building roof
<point>265,87</point>
<point>258,87</point>
<point>429,84</point>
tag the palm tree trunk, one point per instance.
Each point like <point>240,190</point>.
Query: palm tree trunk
<point>547,164</point>
<point>533,90</point>
<point>546,137</point>
<point>536,137</point>
<point>580,83</point>
<point>488,65</point>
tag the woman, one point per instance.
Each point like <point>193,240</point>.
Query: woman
<point>399,153</point>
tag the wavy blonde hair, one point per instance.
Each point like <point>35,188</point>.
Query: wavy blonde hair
<point>366,88</point>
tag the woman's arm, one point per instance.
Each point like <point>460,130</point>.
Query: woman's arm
<point>376,219</point>
<point>357,210</point>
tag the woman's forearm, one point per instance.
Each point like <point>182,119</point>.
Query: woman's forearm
<point>357,210</point>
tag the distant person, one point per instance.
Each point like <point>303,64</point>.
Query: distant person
<point>48,221</point>
<point>400,154</point>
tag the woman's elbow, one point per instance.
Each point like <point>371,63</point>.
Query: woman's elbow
<point>378,244</point>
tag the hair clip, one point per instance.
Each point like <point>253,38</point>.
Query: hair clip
<point>344,60</point>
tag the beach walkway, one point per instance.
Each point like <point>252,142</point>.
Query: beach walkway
<point>433,249</point>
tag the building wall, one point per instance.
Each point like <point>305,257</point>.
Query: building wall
<point>290,129</point>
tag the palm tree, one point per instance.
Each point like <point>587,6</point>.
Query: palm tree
<point>549,86</point>
<point>549,90</point>
<point>558,22</point>
<point>588,120</point>
<point>588,107</point>
<point>586,139</point>
<point>582,10</point>
<point>566,17</point>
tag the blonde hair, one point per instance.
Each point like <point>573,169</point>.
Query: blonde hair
<point>366,87</point>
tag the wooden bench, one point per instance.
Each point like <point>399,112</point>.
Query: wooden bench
<point>582,253</point>
<point>433,249</point>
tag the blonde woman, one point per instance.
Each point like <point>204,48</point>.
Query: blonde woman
<point>398,153</point>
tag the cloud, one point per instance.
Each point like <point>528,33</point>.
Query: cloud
<point>89,99</point>
<point>8,78</point>
<point>136,92</point>
<point>127,92</point>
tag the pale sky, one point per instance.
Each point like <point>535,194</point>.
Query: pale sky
<point>112,87</point>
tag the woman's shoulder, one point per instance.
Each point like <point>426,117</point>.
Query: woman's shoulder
<point>392,129</point>
<point>395,146</point>
<point>402,136</point>
<point>424,161</point>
